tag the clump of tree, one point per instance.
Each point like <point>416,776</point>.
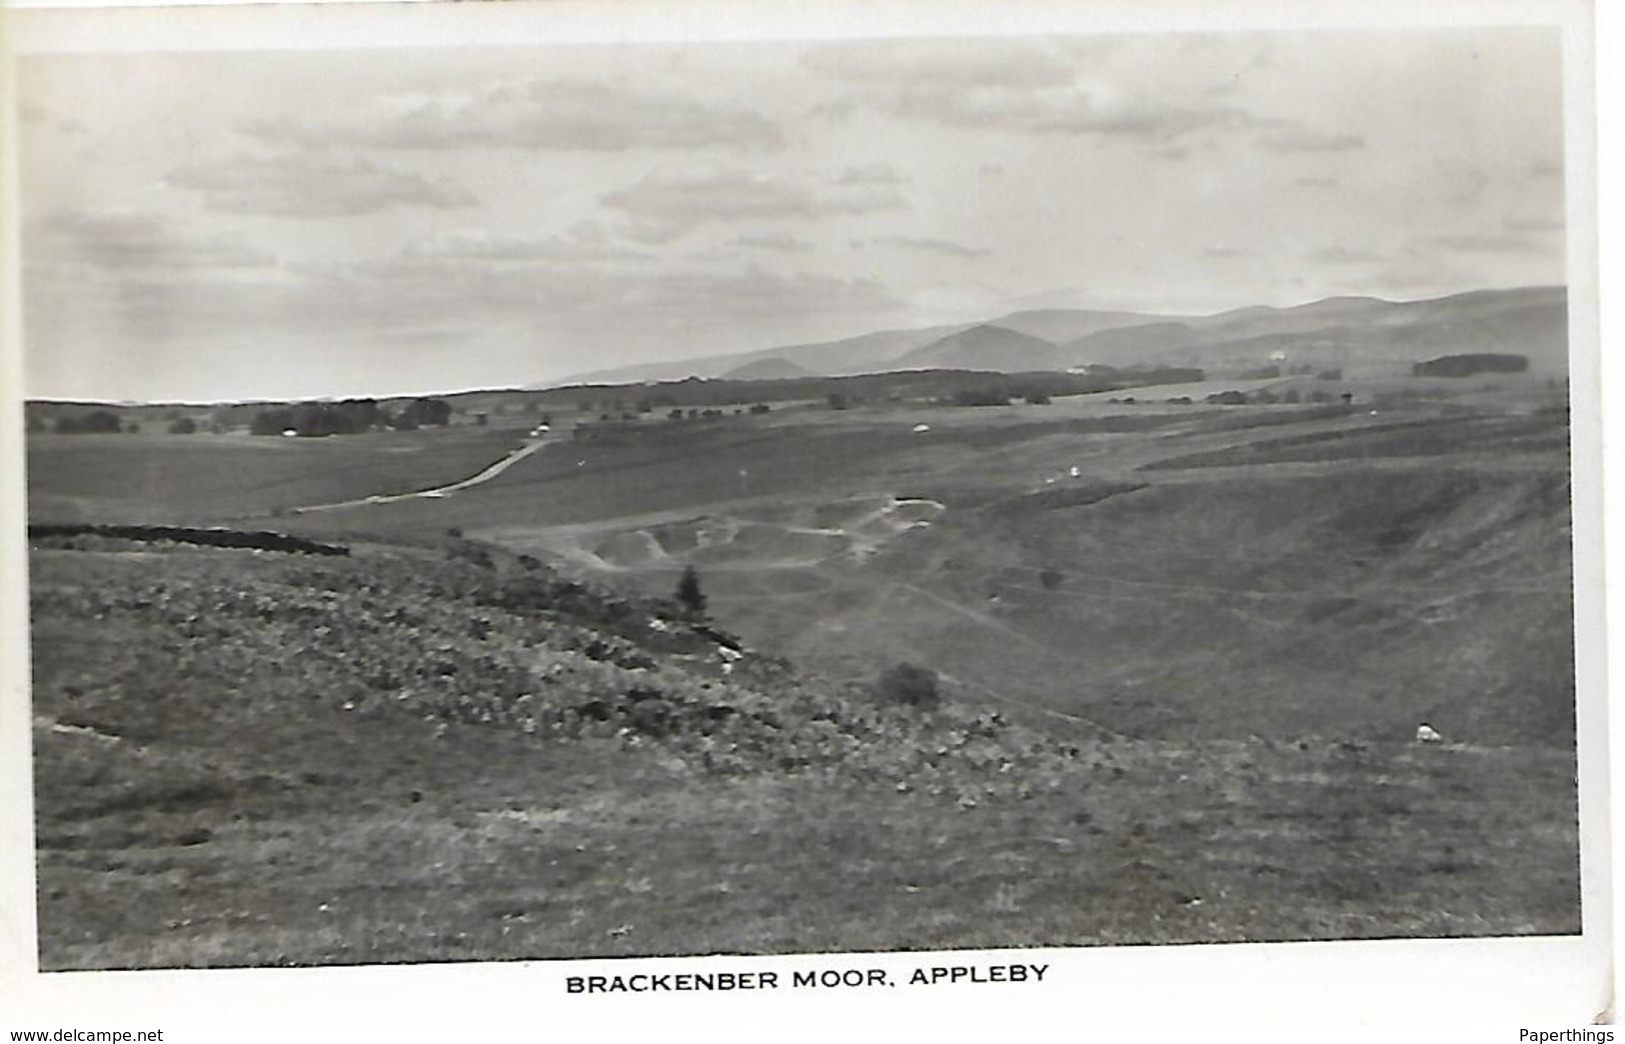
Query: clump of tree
<point>348,417</point>
<point>1470,364</point>
<point>182,426</point>
<point>909,685</point>
<point>982,397</point>
<point>270,422</point>
<point>1124,376</point>
<point>689,595</point>
<point>426,413</point>
<point>99,422</point>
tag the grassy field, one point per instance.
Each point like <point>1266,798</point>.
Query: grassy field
<point>1358,574</point>
<point>1208,634</point>
<point>249,759</point>
<point>203,478</point>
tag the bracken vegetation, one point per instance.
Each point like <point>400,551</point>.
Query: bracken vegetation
<point>521,648</point>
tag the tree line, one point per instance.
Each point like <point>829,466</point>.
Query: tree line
<point>349,416</point>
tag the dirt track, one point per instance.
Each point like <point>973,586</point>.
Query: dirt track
<point>485,475</point>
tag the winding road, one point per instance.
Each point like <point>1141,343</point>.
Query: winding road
<point>486,475</point>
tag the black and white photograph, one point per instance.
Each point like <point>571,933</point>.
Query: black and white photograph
<point>1072,486</point>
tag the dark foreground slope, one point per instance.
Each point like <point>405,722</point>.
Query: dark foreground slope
<point>424,755</point>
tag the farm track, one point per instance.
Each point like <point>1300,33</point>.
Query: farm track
<point>479,478</point>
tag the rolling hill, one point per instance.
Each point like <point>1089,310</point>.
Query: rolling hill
<point>1182,651</point>
<point>1059,325</point>
<point>768,369</point>
<point>986,348</point>
<point>1357,332</point>
<point>1366,334</point>
<point>866,353</point>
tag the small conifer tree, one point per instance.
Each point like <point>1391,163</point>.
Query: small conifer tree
<point>689,594</point>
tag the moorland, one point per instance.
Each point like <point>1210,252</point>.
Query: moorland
<point>1180,637</point>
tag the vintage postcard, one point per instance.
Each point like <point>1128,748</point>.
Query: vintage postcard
<point>875,510</point>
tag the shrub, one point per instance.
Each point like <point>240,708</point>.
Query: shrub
<point>689,595</point>
<point>910,685</point>
<point>98,423</point>
<point>271,422</point>
<point>182,426</point>
<point>981,397</point>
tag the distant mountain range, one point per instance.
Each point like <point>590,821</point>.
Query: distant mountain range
<point>1356,334</point>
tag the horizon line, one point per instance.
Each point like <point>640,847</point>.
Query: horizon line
<point>581,379</point>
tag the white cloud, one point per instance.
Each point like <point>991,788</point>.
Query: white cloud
<point>307,185</point>
<point>1342,255</point>
<point>872,174</point>
<point>1007,85</point>
<point>941,64</point>
<point>931,245</point>
<point>553,114</point>
<point>1478,243</point>
<point>124,241</point>
<point>782,242</point>
<point>585,304</point>
<point>585,242</point>
<point>1291,139</point>
<point>663,208</point>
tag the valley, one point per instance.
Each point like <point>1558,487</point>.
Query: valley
<point>1181,651</point>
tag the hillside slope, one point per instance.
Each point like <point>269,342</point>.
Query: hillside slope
<point>1360,333</point>
<point>1335,331</point>
<point>1059,325</point>
<point>985,348</point>
<point>768,369</point>
<point>260,760</point>
<point>865,353</point>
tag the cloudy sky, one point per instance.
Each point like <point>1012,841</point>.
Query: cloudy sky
<point>302,223</point>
